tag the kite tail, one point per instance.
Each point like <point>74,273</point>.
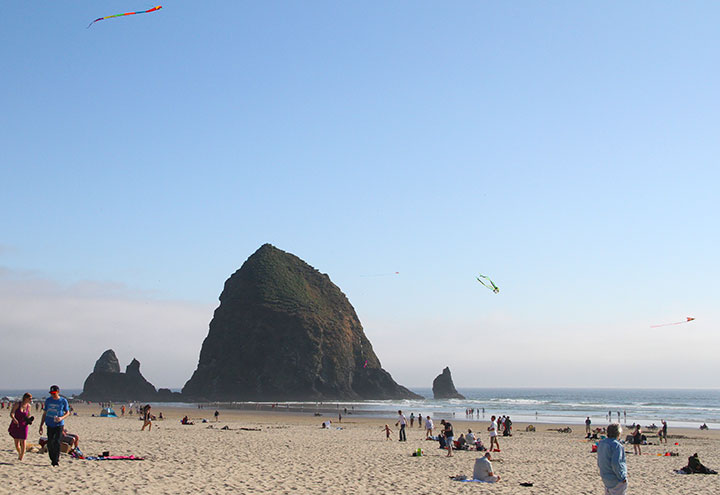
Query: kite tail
<point>668,324</point>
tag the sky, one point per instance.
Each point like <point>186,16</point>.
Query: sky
<point>566,149</point>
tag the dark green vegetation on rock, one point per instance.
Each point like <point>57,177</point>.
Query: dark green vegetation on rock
<point>284,331</point>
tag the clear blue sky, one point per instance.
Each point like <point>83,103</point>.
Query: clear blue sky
<point>567,149</point>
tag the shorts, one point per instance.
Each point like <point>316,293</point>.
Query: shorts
<point>449,440</point>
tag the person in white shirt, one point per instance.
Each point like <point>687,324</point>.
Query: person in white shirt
<point>483,470</point>
<point>493,429</point>
<point>428,427</point>
<point>402,422</point>
<point>470,438</point>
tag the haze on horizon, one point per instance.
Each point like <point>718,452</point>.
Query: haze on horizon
<point>568,150</point>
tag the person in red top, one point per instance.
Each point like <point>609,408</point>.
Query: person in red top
<point>18,429</point>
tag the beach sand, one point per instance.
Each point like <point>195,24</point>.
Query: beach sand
<point>292,454</point>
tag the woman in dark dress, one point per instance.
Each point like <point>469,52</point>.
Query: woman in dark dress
<point>18,428</point>
<point>637,440</point>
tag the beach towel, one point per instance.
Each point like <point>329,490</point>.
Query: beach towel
<point>114,458</point>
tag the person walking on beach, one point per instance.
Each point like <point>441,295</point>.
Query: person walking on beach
<point>493,429</point>
<point>147,418</point>
<point>611,462</point>
<point>402,422</point>
<point>420,420</point>
<point>217,415</point>
<point>587,425</point>
<point>428,427</point>
<point>412,419</point>
<point>387,432</point>
<point>55,411</point>
<point>18,429</point>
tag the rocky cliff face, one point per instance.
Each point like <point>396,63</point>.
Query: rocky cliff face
<point>107,383</point>
<point>284,331</point>
<point>444,388</point>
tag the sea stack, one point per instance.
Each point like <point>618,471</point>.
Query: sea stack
<point>284,331</point>
<point>444,388</point>
<point>107,383</point>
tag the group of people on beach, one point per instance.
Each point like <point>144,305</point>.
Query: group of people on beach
<point>55,410</point>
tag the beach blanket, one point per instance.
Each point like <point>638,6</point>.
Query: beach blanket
<point>114,458</point>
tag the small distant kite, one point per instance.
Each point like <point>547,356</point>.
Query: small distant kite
<point>687,320</point>
<point>127,13</point>
<point>365,365</point>
<point>491,285</point>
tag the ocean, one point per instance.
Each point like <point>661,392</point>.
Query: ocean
<point>679,407</point>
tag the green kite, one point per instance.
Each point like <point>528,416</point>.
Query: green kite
<point>492,285</point>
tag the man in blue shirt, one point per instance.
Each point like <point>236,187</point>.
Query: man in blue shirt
<point>56,410</point>
<point>611,461</point>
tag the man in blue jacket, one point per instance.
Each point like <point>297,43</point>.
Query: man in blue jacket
<point>56,410</point>
<point>611,461</point>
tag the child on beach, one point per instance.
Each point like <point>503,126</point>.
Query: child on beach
<point>147,418</point>
<point>387,432</point>
<point>428,427</point>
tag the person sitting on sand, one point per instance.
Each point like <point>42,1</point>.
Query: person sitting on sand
<point>461,443</point>
<point>387,432</point>
<point>470,437</point>
<point>695,466</point>
<point>186,421</point>
<point>704,426</point>
<point>483,469</point>
<point>70,438</point>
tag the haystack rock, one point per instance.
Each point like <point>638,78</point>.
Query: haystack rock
<point>107,383</point>
<point>284,331</point>
<point>444,388</point>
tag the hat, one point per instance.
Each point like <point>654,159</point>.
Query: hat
<point>54,388</point>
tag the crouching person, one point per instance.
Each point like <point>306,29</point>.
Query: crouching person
<point>483,469</point>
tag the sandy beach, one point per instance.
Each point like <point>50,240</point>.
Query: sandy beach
<point>292,454</point>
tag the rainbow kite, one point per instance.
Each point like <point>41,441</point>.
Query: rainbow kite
<point>127,13</point>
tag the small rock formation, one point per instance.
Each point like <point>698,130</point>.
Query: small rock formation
<point>284,331</point>
<point>443,387</point>
<point>107,383</point>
